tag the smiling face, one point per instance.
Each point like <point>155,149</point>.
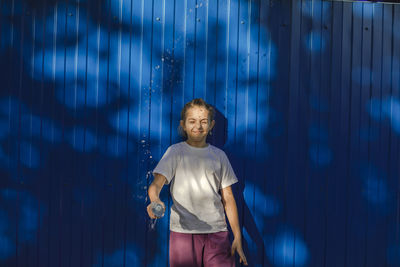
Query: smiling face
<point>197,125</point>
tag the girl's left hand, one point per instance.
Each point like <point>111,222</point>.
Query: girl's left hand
<point>237,246</point>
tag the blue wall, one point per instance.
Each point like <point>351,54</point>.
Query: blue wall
<point>307,94</point>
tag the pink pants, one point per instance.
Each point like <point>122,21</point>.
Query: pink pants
<point>198,250</point>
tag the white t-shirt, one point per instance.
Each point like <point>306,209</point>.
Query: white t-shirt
<point>196,176</point>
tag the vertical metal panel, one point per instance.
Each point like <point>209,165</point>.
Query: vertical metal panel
<point>314,200</point>
<point>190,32</point>
<point>395,156</point>
<point>375,31</point>
<point>335,220</point>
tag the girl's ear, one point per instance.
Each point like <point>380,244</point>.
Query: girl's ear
<point>212,124</point>
<point>181,122</point>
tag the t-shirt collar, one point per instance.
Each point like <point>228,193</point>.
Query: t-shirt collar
<point>196,148</point>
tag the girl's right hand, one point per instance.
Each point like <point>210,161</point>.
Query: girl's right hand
<point>149,210</point>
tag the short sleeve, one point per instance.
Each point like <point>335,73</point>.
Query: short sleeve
<point>228,175</point>
<point>167,164</point>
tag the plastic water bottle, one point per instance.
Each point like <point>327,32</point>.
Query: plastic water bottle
<point>157,209</point>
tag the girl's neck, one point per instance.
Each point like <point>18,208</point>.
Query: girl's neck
<point>199,144</point>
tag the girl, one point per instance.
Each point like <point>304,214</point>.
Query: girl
<point>200,178</point>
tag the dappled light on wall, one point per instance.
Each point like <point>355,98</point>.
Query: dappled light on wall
<point>288,249</point>
<point>386,109</point>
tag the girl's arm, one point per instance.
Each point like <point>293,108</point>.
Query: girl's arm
<point>154,192</point>
<point>231,212</point>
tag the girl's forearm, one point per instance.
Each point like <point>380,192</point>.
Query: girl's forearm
<point>233,218</point>
<point>231,211</point>
<point>154,192</point>
<point>155,187</point>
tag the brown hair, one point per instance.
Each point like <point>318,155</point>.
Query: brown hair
<point>195,102</point>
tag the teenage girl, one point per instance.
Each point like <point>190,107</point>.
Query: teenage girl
<point>200,178</point>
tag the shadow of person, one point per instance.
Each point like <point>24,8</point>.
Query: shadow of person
<point>246,219</point>
<point>247,222</point>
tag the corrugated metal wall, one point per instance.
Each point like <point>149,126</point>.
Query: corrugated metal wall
<point>308,111</point>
